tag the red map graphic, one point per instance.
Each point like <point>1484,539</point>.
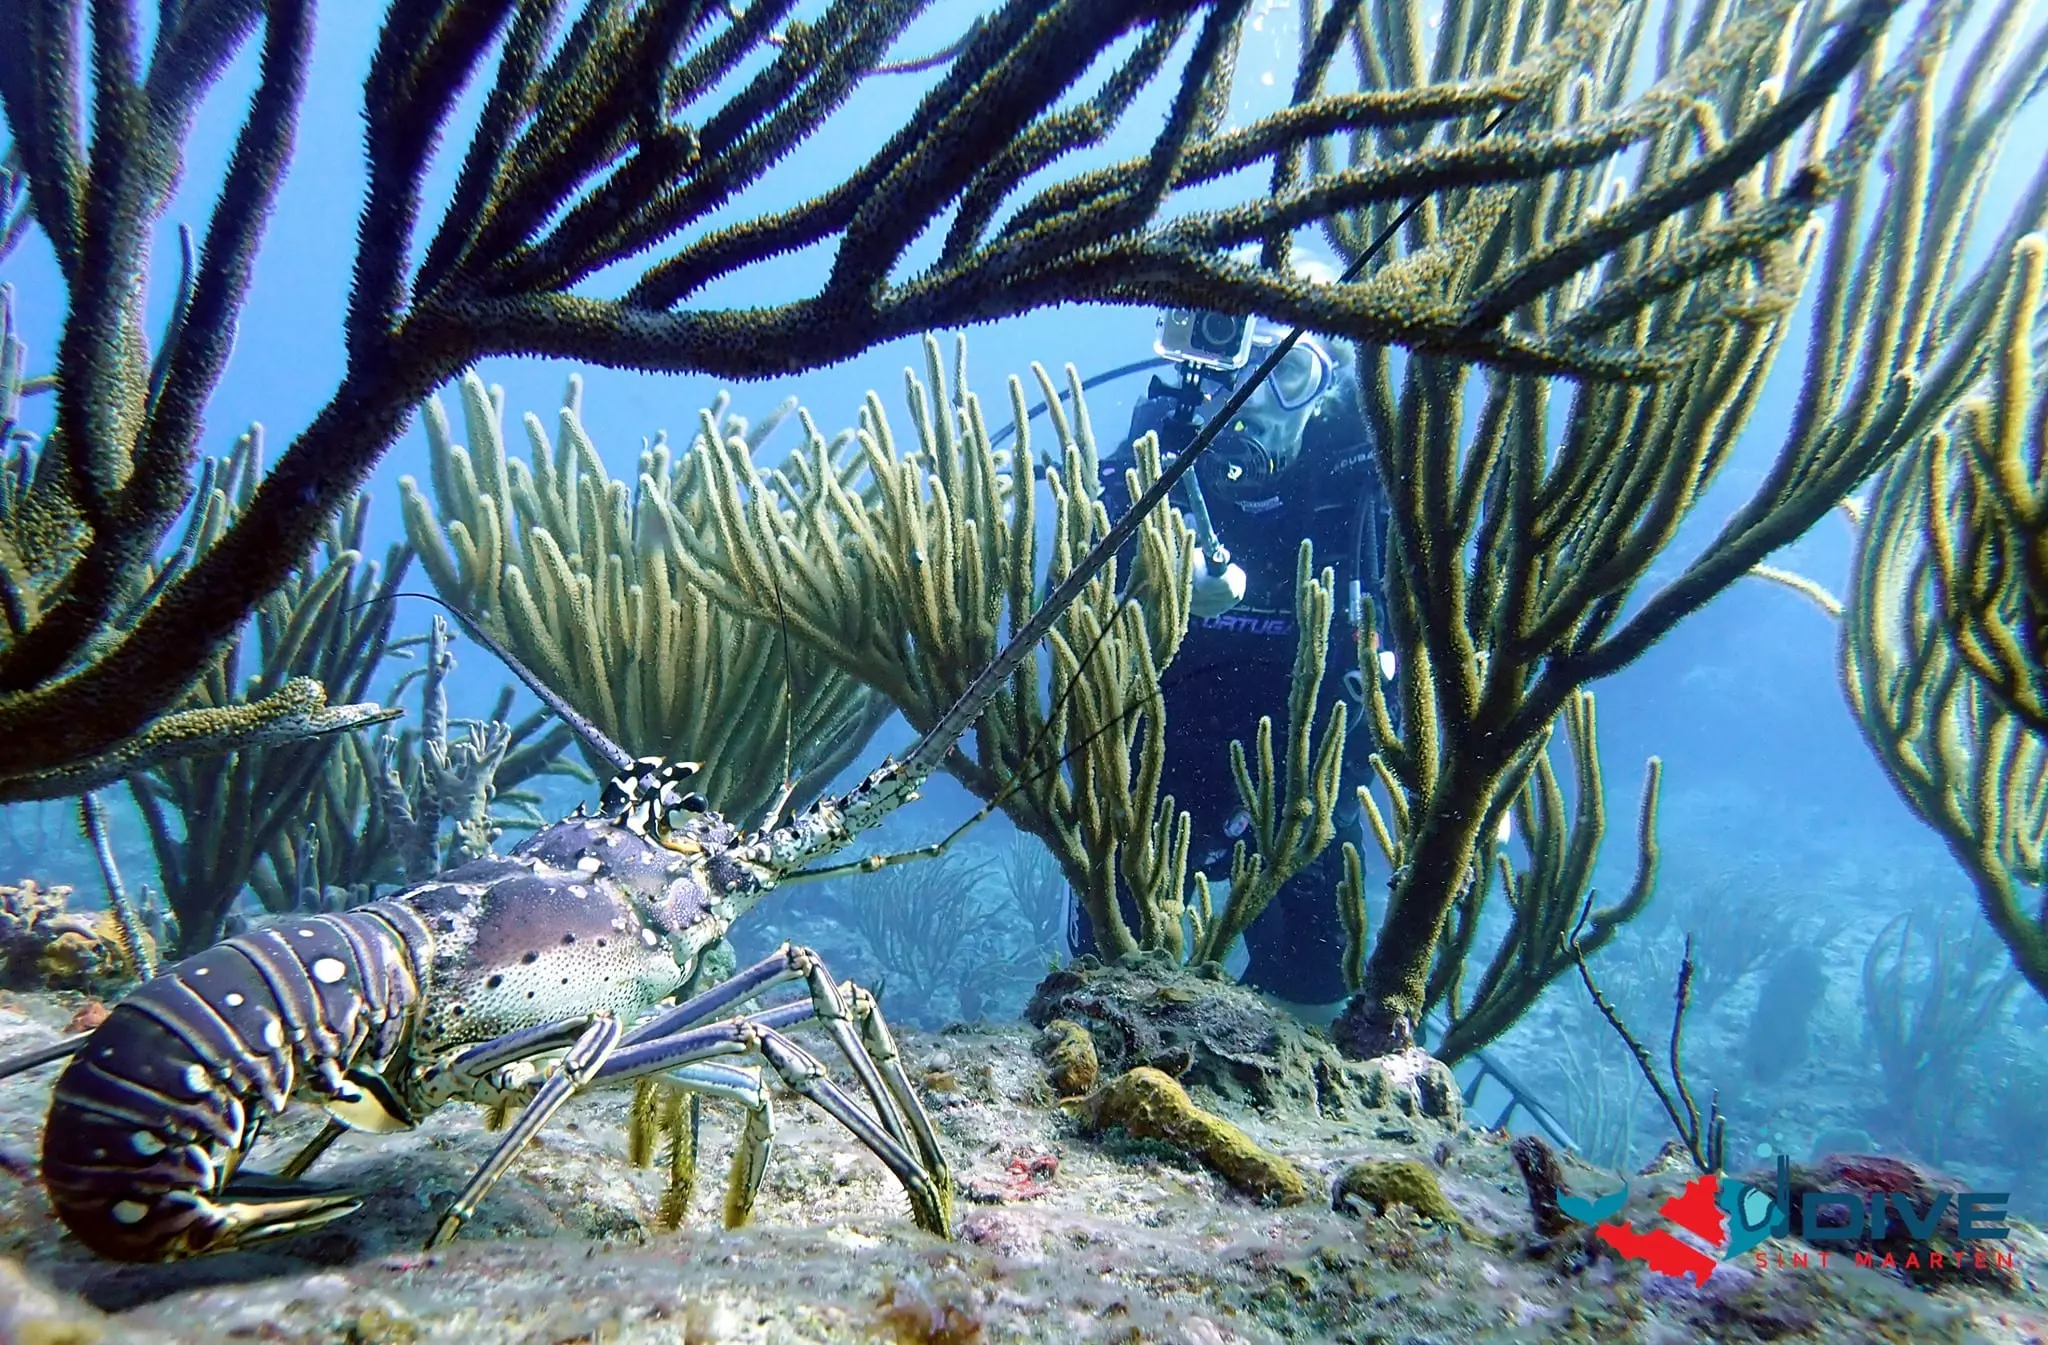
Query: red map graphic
<point>1693,1210</point>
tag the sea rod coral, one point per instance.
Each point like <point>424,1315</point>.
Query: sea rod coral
<point>1525,532</point>
<point>612,139</point>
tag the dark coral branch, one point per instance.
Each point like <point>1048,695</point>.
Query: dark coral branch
<point>192,48</point>
<point>669,281</point>
<point>205,332</point>
<point>679,177</point>
<point>1552,265</point>
<point>586,109</point>
<point>585,165</point>
<point>1054,137</point>
<point>40,78</point>
<point>1704,1139</point>
<point>133,517</point>
<point>1008,98</point>
<point>98,340</point>
<point>428,50</point>
<point>510,103</point>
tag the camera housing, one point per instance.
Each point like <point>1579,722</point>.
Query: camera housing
<point>1207,340</point>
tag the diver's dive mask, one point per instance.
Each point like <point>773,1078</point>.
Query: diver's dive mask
<point>1264,438</point>
<point>1301,377</point>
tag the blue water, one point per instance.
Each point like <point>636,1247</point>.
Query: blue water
<point>1766,776</point>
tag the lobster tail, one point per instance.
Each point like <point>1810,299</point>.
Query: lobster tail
<point>149,1120</point>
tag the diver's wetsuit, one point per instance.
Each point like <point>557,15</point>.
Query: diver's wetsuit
<point>1237,666</point>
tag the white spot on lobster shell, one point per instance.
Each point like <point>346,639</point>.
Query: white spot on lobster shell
<point>235,1000</point>
<point>328,970</point>
<point>129,1211</point>
<point>195,1078</point>
<point>145,1144</point>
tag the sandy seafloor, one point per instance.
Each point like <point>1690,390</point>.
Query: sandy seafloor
<point>1124,1242</point>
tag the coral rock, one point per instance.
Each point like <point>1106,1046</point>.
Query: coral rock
<point>1148,1104</point>
<point>1069,1054</point>
<point>45,946</point>
<point>89,1016</point>
<point>1379,1184</point>
<point>1225,1038</point>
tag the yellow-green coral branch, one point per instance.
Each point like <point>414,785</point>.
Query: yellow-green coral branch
<point>296,711</point>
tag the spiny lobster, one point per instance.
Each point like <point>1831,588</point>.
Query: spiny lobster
<point>514,980</point>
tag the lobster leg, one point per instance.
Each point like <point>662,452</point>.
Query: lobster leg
<point>306,1157</point>
<point>802,1073</point>
<point>778,968</point>
<point>900,1133</point>
<point>879,1045</point>
<point>576,1070</point>
<point>468,1074</point>
<point>757,1136</point>
<point>793,963</point>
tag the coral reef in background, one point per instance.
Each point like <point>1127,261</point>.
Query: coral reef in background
<point>45,945</point>
<point>398,808</point>
<point>939,541</point>
<point>931,933</point>
<point>305,824</point>
<point>1920,1019</point>
<point>576,574</point>
<point>1525,532</point>
<point>909,583</point>
<point>1781,1024</point>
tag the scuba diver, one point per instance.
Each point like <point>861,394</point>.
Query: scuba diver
<point>1297,461</point>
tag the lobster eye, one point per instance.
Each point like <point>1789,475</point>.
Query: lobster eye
<point>693,802</point>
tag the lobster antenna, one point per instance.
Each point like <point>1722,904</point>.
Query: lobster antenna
<point>928,752</point>
<point>621,760</point>
<point>788,708</point>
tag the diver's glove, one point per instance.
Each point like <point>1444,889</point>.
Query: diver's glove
<point>1216,591</point>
